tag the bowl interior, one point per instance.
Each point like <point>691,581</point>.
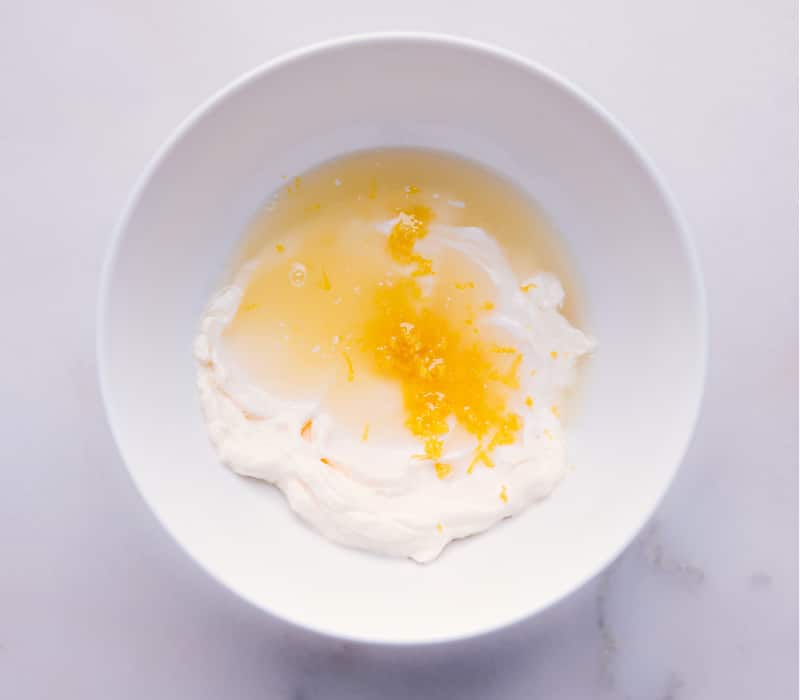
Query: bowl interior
<point>642,299</point>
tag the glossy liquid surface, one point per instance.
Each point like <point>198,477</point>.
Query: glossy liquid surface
<point>340,303</point>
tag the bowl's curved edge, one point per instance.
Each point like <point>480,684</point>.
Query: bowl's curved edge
<point>110,263</point>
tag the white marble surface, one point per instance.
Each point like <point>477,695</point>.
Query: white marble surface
<point>97,601</point>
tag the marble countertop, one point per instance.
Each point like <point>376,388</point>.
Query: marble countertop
<point>97,601</point>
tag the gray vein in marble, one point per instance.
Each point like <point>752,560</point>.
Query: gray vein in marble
<point>659,559</point>
<point>674,686</point>
<point>648,550</point>
<point>759,581</point>
<point>608,643</point>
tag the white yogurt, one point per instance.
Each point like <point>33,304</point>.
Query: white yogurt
<point>382,497</point>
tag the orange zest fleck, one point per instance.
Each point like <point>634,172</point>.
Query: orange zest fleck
<point>554,411</point>
<point>305,431</point>
<point>442,469</point>
<point>365,434</point>
<point>411,226</point>
<point>446,374</point>
<point>424,266</point>
<point>487,305</point>
<point>350,371</point>
<point>294,186</point>
<point>527,287</point>
<point>529,402</point>
<point>554,354</point>
<point>433,448</point>
<point>506,431</point>
<point>511,378</point>
<point>465,285</point>
<point>504,494</point>
<point>481,455</point>
<point>325,284</point>
<point>280,248</point>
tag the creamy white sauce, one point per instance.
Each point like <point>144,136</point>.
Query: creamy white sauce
<point>380,497</point>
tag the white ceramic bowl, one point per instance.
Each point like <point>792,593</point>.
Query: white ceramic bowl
<point>644,304</point>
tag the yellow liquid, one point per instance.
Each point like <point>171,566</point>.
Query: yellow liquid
<point>337,307</point>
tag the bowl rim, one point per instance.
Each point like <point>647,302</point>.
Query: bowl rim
<point>686,241</point>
